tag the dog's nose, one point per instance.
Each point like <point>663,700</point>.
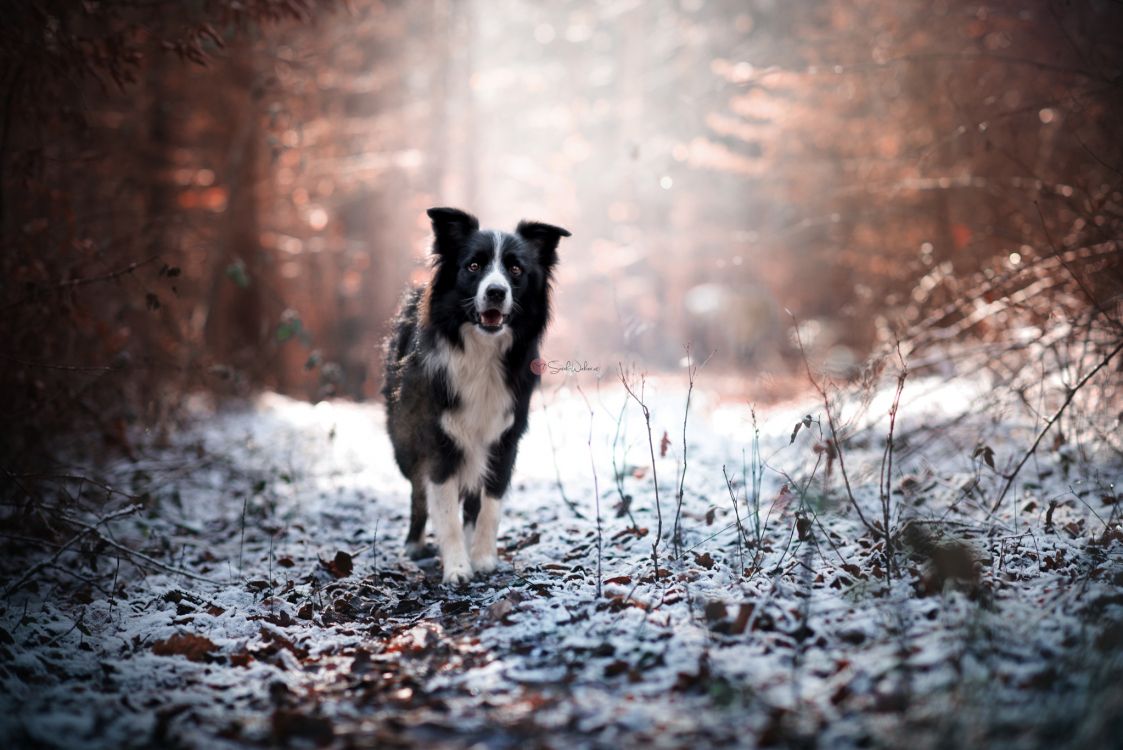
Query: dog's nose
<point>496,293</point>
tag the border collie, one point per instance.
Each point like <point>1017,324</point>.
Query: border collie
<point>459,379</point>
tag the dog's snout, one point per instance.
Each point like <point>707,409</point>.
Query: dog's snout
<point>496,293</point>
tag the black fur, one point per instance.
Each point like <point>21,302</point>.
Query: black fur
<point>417,396</point>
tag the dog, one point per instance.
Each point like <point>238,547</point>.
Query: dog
<point>458,381</point>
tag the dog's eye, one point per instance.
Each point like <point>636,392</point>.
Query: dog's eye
<point>473,267</point>
<point>515,270</point>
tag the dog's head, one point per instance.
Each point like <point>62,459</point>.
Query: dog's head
<point>491,279</point>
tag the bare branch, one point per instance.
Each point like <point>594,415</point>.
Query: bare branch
<point>1052,420</point>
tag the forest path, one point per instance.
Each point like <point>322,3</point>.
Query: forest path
<point>313,628</point>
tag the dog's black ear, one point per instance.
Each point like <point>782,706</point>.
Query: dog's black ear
<point>544,238</point>
<point>451,227</point>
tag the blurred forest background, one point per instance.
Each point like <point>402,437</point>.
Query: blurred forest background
<point>225,196</point>
<point>203,200</point>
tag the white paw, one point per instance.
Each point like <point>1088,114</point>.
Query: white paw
<point>485,563</point>
<point>457,573</point>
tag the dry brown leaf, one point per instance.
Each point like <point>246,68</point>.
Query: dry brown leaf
<point>194,647</point>
<point>341,566</point>
<point>705,559</point>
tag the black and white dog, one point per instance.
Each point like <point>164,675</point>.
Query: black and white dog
<point>459,378</point>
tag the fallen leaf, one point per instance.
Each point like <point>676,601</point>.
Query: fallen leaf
<point>281,619</point>
<point>525,542</point>
<point>1053,563</point>
<point>741,621</point>
<point>715,611</point>
<point>657,574</point>
<point>241,658</point>
<point>1111,533</point>
<point>705,559</point>
<point>616,668</point>
<point>341,566</point>
<point>275,642</point>
<point>193,647</point>
<point>501,609</point>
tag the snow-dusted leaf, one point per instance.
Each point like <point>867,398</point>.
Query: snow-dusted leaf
<point>704,559</point>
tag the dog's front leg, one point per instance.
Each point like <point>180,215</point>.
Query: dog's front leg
<point>444,510</point>
<point>484,557</point>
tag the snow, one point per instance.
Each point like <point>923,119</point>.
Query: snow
<point>254,497</point>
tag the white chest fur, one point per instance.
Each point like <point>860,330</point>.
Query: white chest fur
<point>485,408</point>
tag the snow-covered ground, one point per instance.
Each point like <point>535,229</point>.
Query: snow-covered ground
<point>772,622</point>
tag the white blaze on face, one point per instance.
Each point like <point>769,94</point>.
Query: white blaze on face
<point>493,276</point>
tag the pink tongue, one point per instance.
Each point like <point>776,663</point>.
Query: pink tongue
<point>491,318</point>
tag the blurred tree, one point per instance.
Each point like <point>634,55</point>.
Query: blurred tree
<point>225,195</point>
<point>112,134</point>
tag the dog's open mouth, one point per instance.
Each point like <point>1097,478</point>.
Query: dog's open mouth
<point>491,320</point>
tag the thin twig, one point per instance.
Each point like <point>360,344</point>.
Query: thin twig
<point>654,473</point>
<point>138,555</point>
<point>1060,257</point>
<point>741,539</point>
<point>676,536</point>
<point>75,283</point>
<point>34,569</point>
<point>758,477</point>
<point>617,474</point>
<point>596,496</point>
<point>49,366</point>
<point>886,479</point>
<point>834,432</point>
<point>691,372</point>
<point>68,631</point>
